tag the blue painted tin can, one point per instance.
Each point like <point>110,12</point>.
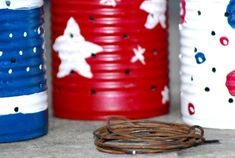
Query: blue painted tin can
<point>23,96</point>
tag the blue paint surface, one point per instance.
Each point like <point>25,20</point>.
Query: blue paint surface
<point>200,58</point>
<point>19,127</point>
<point>21,70</point>
<point>231,13</point>
<point>21,30</point>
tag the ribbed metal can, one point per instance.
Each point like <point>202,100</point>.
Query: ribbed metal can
<point>207,58</point>
<point>23,97</point>
<point>110,58</point>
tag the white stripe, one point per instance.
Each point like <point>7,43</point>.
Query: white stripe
<point>19,4</point>
<point>26,104</point>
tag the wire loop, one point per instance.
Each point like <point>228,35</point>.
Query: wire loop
<point>123,136</point>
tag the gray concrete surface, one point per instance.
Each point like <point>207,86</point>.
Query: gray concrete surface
<point>73,139</point>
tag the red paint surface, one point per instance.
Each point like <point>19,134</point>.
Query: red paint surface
<point>230,83</point>
<point>116,93</point>
<point>183,14</point>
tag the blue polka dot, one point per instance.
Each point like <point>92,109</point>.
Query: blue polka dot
<point>230,13</point>
<point>200,58</point>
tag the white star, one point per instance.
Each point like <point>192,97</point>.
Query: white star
<point>109,2</point>
<point>165,95</point>
<point>73,50</point>
<point>139,55</point>
<point>156,10</point>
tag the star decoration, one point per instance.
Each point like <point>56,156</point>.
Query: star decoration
<point>156,15</point>
<point>73,50</point>
<point>109,2</point>
<point>165,95</point>
<point>139,55</point>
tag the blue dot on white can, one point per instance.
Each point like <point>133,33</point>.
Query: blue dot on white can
<point>230,13</point>
<point>200,58</point>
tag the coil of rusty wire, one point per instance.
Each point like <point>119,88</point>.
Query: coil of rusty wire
<point>123,136</point>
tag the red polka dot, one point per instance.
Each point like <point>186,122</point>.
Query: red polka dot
<point>224,41</point>
<point>191,109</point>
<point>230,80</point>
<point>183,11</point>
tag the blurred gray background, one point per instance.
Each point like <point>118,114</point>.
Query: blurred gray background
<point>174,66</point>
<point>173,6</point>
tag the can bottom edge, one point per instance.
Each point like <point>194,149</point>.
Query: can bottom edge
<point>23,136</point>
<point>20,127</point>
<point>215,124</point>
<point>104,115</point>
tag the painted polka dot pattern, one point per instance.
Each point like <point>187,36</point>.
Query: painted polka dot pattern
<point>207,58</point>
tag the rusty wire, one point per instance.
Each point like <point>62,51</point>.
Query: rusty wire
<point>123,136</point>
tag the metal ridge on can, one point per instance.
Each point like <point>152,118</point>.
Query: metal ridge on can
<point>109,59</point>
<point>23,96</point>
<point>207,63</point>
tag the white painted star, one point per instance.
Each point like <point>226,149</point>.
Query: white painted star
<point>156,10</point>
<point>109,2</point>
<point>73,50</point>
<point>139,55</point>
<point>165,95</point>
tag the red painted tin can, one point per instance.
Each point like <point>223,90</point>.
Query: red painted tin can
<point>110,58</point>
